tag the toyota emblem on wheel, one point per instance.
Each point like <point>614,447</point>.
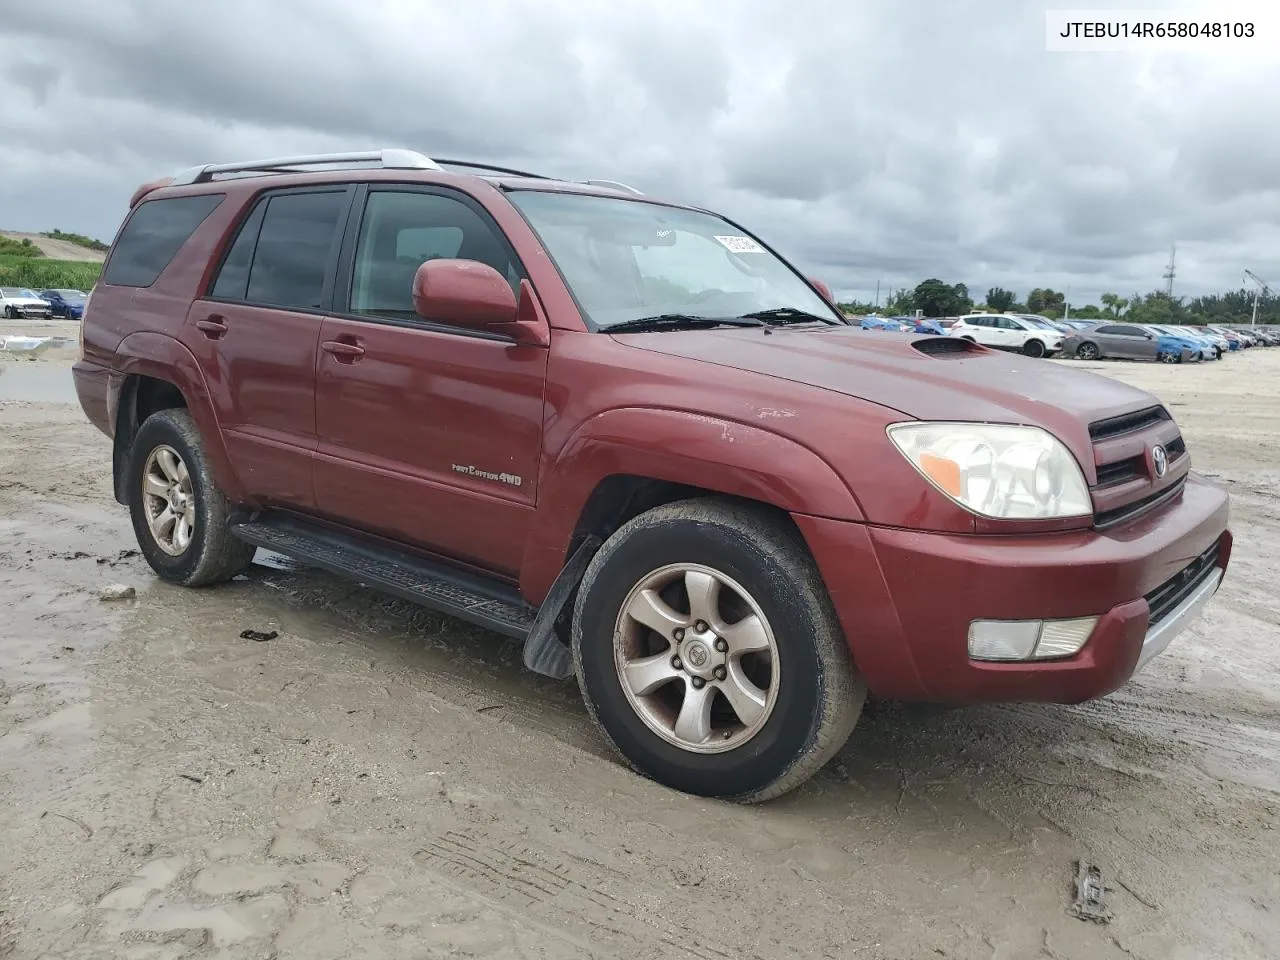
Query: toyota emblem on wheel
<point>1159,460</point>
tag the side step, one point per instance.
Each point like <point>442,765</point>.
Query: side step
<point>457,593</point>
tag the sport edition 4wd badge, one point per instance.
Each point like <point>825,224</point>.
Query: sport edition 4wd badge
<point>508,478</point>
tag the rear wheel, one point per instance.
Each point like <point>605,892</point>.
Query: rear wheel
<point>1087,351</point>
<point>709,654</point>
<point>179,514</point>
<point>1033,348</point>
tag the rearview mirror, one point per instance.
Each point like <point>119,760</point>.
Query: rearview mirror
<point>466,293</point>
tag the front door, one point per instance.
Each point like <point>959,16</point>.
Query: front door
<point>427,433</point>
<point>255,336</point>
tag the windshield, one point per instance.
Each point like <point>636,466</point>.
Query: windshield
<point>627,259</point>
<point>70,294</point>
<point>1038,322</point>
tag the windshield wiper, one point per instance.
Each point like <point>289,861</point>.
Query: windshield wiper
<point>681,321</point>
<point>785,315</point>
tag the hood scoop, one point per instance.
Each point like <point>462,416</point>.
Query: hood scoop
<point>947,347</point>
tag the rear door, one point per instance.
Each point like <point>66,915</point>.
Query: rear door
<point>257,332</point>
<point>429,433</point>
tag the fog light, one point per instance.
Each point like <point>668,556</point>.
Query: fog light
<point>1016,640</point>
<point>1063,638</point>
<point>1003,639</point>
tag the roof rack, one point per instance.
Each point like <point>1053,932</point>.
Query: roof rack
<point>390,159</point>
<point>490,168</point>
<point>613,183</point>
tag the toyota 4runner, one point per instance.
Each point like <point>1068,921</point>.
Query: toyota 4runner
<point>631,435</point>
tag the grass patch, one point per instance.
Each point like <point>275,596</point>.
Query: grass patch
<point>10,247</point>
<point>41,273</point>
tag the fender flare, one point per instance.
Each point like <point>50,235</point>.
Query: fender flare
<point>162,357</point>
<point>677,446</point>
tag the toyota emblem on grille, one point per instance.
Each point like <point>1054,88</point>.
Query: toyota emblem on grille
<point>1159,460</point>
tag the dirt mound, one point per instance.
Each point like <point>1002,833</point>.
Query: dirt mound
<point>58,249</point>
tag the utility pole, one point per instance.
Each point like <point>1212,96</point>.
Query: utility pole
<point>877,294</point>
<point>1169,272</point>
<point>1066,305</point>
<point>1262,288</point>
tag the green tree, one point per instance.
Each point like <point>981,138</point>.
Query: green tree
<point>1113,306</point>
<point>1157,307</point>
<point>900,303</point>
<point>938,299</point>
<point>1047,302</point>
<point>1086,311</point>
<point>1000,300</point>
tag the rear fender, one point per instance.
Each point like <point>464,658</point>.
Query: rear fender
<point>719,456</point>
<point>161,357</point>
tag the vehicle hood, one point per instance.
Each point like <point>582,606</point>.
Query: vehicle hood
<point>967,382</point>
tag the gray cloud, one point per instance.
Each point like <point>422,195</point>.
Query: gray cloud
<point>874,142</point>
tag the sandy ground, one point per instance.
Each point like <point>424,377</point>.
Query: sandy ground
<point>57,249</point>
<point>379,782</point>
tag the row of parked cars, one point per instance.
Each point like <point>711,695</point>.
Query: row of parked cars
<point>21,303</point>
<point>1037,336</point>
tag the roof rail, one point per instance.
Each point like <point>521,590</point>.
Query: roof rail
<point>613,183</point>
<point>489,167</point>
<point>390,159</point>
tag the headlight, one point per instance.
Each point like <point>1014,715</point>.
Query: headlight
<point>997,470</point>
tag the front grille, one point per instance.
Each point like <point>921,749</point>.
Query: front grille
<point>1126,485</point>
<point>1127,423</point>
<point>1165,598</point>
<point>1103,519</point>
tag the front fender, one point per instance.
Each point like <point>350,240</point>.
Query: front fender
<point>719,455</point>
<point>161,357</point>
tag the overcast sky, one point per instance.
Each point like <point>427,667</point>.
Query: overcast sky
<point>884,141</point>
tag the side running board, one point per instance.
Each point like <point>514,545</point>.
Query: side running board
<point>495,606</point>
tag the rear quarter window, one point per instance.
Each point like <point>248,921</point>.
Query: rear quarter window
<point>153,236</point>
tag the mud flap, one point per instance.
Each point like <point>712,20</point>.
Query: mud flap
<point>544,653</point>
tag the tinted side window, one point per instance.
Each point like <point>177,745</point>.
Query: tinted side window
<point>1128,331</point>
<point>293,251</point>
<point>1107,330</point>
<point>153,236</point>
<point>233,276</point>
<point>401,230</point>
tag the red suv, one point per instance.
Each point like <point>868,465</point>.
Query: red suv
<point>628,433</point>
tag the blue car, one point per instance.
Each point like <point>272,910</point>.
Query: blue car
<point>1177,349</point>
<point>896,324</point>
<point>1208,349</point>
<point>65,303</point>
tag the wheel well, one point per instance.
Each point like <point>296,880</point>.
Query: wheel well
<point>139,398</point>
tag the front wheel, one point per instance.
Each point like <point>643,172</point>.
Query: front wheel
<point>10,313</point>
<point>179,514</point>
<point>1033,348</point>
<point>1170,358</point>
<point>1087,351</point>
<point>709,654</point>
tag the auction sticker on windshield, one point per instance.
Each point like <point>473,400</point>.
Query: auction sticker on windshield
<point>740,245</point>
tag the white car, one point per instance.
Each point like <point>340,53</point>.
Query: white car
<point>1034,336</point>
<point>19,302</point>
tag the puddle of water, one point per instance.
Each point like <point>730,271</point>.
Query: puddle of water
<point>37,383</point>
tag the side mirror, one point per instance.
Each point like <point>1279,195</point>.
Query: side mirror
<point>466,293</point>
<point>823,289</point>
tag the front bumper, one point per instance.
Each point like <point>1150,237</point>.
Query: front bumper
<point>905,598</point>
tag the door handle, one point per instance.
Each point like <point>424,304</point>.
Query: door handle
<point>212,326</point>
<point>344,352</point>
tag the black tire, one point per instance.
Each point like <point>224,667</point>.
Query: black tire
<point>1034,348</point>
<point>213,554</point>
<point>970,339</point>
<point>819,694</point>
<point>1087,351</point>
<point>9,314</point>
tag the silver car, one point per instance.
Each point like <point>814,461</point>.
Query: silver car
<point>1118,341</point>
